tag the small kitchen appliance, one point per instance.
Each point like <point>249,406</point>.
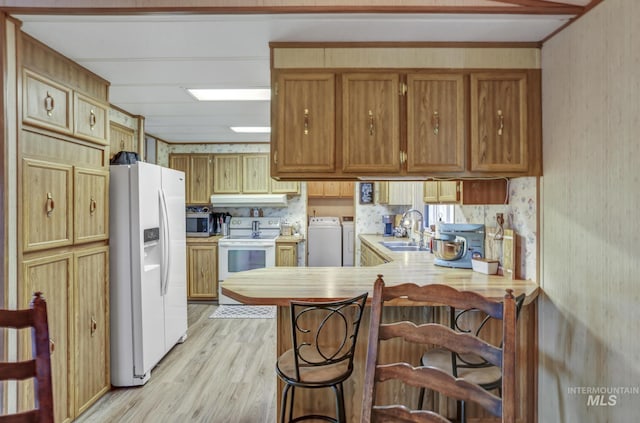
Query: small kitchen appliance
<point>457,244</point>
<point>200,224</point>
<point>387,221</point>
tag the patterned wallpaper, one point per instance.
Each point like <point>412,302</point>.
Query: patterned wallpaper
<point>519,214</point>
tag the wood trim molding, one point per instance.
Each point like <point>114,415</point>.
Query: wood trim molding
<point>538,7</point>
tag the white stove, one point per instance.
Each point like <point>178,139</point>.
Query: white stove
<point>251,244</point>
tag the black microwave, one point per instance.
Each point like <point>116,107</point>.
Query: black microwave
<point>200,224</point>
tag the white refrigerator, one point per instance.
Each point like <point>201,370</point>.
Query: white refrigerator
<point>148,276</point>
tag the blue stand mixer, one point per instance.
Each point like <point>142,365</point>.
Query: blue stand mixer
<point>457,244</point>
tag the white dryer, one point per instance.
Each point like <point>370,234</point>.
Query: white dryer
<point>324,242</point>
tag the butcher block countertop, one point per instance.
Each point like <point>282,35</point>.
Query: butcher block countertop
<point>279,285</point>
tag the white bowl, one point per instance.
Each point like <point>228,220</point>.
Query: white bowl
<point>486,266</point>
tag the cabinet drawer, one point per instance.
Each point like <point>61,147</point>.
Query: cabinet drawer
<point>47,210</point>
<point>90,119</point>
<point>46,104</point>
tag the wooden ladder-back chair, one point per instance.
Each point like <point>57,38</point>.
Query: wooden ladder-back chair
<point>436,334</point>
<point>39,367</point>
<point>467,366</point>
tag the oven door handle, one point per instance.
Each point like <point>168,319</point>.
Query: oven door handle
<point>245,245</point>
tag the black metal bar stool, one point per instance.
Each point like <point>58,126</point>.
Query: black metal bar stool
<point>324,338</point>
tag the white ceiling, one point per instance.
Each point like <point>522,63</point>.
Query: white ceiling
<point>151,59</point>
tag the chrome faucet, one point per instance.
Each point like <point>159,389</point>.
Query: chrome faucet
<point>404,222</point>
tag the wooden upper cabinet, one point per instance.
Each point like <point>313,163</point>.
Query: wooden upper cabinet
<point>46,103</point>
<point>285,187</point>
<point>47,204</point>
<point>305,136</point>
<point>91,205</point>
<point>198,174</point>
<point>435,123</point>
<point>441,192</point>
<point>499,122</point>
<point>227,174</point>
<point>91,119</point>
<point>370,123</point>
<point>255,174</point>
<point>347,189</point>
<point>200,179</point>
<point>121,139</point>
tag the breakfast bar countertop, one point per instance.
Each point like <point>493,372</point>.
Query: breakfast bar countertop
<point>279,285</point>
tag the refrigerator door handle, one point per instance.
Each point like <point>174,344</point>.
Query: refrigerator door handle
<point>166,244</point>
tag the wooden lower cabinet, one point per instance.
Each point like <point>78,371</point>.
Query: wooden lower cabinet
<point>287,254</point>
<point>202,270</point>
<point>53,276</point>
<point>75,287</point>
<point>368,257</point>
<point>91,290</point>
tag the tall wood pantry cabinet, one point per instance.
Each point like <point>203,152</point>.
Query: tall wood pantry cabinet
<point>63,208</point>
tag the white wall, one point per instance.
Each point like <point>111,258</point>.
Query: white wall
<point>590,197</point>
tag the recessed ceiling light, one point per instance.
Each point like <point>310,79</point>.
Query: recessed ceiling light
<point>251,129</point>
<point>230,94</point>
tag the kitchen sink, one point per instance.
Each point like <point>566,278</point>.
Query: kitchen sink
<point>407,248</point>
<point>402,246</point>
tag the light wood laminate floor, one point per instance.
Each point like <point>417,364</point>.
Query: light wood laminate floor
<point>223,372</point>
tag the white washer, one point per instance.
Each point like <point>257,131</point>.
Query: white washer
<point>324,242</point>
<point>348,243</point>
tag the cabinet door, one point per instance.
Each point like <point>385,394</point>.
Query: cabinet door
<point>400,193</point>
<point>46,103</point>
<point>91,205</point>
<point>381,192</point>
<point>285,187</point>
<point>47,205</point>
<point>200,179</point>
<point>370,125</point>
<point>430,192</point>
<point>121,139</point>
<point>435,123</point>
<point>92,378</point>
<point>90,119</point>
<point>52,275</point>
<point>448,191</point>
<point>181,162</point>
<point>226,174</point>
<point>315,189</point>
<point>331,189</point>
<point>202,271</point>
<point>287,254</point>
<point>347,189</point>
<point>499,122</point>
<point>305,135</point>
<point>255,174</point>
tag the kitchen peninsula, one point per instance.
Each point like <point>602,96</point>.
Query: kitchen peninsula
<point>277,286</point>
